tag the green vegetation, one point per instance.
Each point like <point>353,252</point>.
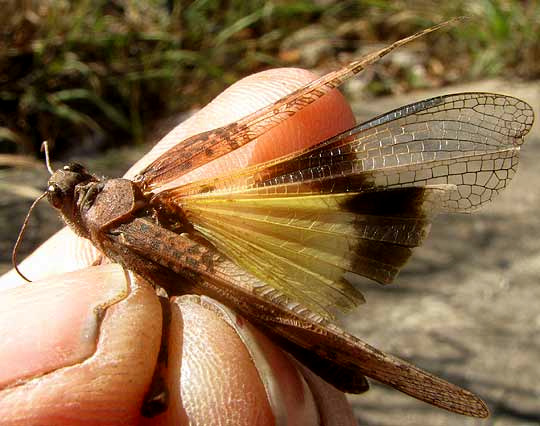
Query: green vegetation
<point>102,70</point>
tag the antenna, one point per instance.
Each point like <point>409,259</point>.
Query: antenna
<point>20,237</point>
<point>45,148</point>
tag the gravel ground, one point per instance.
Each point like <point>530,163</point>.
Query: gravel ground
<point>466,307</point>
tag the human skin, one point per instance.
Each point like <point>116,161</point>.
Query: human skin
<point>64,362</point>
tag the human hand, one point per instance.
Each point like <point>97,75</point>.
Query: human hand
<point>81,347</point>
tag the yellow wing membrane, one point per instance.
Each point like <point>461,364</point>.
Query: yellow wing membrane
<point>304,246</point>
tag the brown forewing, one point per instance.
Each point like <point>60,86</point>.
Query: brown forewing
<point>341,359</point>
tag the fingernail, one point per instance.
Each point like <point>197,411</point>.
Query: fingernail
<point>55,323</point>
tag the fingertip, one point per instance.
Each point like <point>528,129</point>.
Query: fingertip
<point>209,371</point>
<point>215,373</point>
<point>315,123</point>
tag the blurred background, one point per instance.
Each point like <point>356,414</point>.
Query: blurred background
<point>89,75</point>
<point>102,80</point>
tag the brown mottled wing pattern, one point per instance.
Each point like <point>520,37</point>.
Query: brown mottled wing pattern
<point>205,147</point>
<point>360,201</point>
<point>341,359</point>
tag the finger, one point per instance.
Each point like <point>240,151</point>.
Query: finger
<point>80,350</point>
<point>318,121</point>
<point>224,374</point>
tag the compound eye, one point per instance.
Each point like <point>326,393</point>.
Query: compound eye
<point>74,167</point>
<point>55,195</point>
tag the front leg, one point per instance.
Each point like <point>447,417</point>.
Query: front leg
<point>86,194</point>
